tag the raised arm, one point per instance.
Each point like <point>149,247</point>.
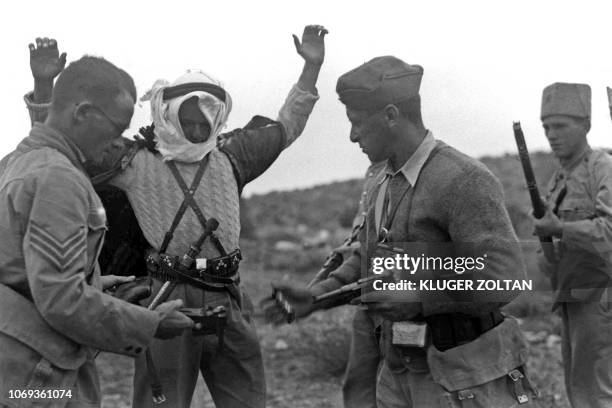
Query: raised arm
<point>254,150</point>
<point>312,49</point>
<point>46,63</point>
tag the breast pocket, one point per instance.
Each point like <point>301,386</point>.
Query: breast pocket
<point>576,208</point>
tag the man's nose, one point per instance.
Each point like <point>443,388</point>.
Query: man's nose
<point>551,134</point>
<point>354,135</point>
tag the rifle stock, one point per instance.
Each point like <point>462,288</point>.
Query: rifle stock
<point>539,207</point>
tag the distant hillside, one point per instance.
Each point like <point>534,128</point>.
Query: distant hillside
<point>333,206</point>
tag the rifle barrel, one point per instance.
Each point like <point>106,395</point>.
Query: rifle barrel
<point>539,208</point>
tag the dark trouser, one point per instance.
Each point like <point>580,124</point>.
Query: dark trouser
<point>359,387</point>
<point>235,377</point>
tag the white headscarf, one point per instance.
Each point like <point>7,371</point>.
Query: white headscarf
<point>169,137</point>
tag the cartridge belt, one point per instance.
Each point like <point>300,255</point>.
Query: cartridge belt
<point>217,271</point>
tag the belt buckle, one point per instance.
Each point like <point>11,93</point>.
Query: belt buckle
<point>383,235</point>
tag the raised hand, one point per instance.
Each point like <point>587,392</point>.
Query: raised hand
<point>45,60</point>
<point>312,47</point>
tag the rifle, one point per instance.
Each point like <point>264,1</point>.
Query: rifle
<point>345,294</point>
<point>539,208</point>
<point>332,262</point>
<point>341,296</point>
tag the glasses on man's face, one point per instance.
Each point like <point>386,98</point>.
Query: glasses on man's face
<point>118,127</point>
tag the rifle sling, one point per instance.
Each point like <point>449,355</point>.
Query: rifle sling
<point>391,216</point>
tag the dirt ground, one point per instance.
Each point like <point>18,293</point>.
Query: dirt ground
<point>302,376</point>
<point>304,362</point>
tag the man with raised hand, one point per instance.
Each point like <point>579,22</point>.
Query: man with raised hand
<point>190,164</point>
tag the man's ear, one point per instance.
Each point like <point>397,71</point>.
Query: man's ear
<point>391,114</point>
<point>81,111</point>
<point>587,125</point>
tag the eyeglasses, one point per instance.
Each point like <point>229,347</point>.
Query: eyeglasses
<point>118,127</point>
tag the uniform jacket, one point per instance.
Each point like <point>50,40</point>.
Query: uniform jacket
<point>584,251</point>
<point>52,225</point>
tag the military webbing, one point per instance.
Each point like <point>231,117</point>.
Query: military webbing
<point>189,201</point>
<point>389,218</point>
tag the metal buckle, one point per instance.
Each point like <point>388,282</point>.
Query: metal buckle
<point>515,375</point>
<point>383,235</point>
<point>465,394</point>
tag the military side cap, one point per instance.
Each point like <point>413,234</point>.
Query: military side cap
<point>566,99</point>
<point>379,82</point>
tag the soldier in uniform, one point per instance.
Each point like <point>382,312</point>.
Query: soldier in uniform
<point>185,178</point>
<point>54,312</point>
<point>579,218</point>
<point>427,193</point>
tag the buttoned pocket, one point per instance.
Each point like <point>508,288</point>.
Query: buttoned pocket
<point>576,208</point>
<point>486,372</point>
<point>503,392</point>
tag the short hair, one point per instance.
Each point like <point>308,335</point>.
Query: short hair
<point>92,78</point>
<point>411,109</point>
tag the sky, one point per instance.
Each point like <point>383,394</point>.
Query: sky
<point>485,64</point>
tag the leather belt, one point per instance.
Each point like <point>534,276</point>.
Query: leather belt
<point>218,271</point>
<point>453,329</point>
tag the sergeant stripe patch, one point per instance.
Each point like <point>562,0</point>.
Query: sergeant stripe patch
<point>60,253</point>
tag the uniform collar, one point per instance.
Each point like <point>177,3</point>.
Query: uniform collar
<point>570,166</point>
<point>413,166</point>
<point>43,135</point>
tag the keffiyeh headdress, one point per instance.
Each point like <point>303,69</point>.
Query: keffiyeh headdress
<point>166,99</point>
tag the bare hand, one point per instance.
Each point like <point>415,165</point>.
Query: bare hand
<point>549,225</point>
<point>172,321</point>
<point>298,297</point>
<point>108,281</point>
<point>312,48</point>
<point>45,61</point>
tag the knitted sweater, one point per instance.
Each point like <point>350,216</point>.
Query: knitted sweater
<point>456,199</point>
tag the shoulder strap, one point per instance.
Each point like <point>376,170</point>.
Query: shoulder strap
<point>188,201</point>
<point>391,216</point>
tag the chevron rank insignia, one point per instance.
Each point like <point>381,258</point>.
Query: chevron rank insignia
<point>60,253</point>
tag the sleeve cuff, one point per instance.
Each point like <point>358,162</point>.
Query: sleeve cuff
<point>301,101</point>
<point>38,111</point>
